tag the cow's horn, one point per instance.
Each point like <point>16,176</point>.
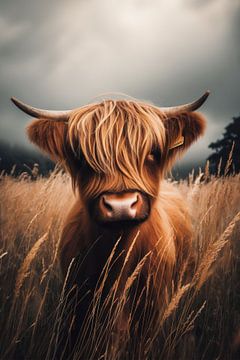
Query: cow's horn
<point>40,113</point>
<point>187,107</point>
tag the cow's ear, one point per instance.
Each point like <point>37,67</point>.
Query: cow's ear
<point>50,136</point>
<point>181,131</point>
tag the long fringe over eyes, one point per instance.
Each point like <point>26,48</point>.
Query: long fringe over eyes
<point>117,135</point>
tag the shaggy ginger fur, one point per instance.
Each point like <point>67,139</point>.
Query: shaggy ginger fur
<point>120,145</point>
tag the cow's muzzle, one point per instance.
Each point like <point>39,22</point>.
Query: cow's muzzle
<point>127,207</point>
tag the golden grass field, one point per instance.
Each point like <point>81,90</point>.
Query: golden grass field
<point>202,319</point>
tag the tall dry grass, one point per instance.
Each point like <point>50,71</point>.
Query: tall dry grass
<point>200,321</point>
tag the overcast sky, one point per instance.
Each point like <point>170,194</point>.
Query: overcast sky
<point>63,54</point>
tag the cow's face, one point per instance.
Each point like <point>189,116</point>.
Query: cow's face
<point>120,195</point>
<point>117,152</point>
<point>118,161</point>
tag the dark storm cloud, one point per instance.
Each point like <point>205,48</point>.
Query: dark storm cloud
<point>62,54</point>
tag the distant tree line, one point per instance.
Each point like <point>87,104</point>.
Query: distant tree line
<point>226,156</point>
<point>16,160</point>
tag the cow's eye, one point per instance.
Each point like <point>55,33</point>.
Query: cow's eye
<point>154,156</point>
<point>151,157</point>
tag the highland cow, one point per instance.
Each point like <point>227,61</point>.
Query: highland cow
<point>117,153</point>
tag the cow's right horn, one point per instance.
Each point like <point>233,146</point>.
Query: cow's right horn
<point>186,107</point>
<point>41,113</point>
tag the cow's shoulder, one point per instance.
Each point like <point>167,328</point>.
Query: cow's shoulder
<point>174,204</point>
<point>72,239</point>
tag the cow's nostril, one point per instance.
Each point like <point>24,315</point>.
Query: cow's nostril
<point>107,204</point>
<point>135,201</point>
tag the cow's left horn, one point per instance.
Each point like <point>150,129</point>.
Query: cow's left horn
<point>187,107</point>
<point>40,113</point>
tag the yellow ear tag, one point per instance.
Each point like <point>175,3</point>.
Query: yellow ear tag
<point>179,142</point>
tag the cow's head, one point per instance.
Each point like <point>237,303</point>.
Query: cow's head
<point>116,151</point>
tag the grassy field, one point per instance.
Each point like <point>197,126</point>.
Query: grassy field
<point>202,319</point>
